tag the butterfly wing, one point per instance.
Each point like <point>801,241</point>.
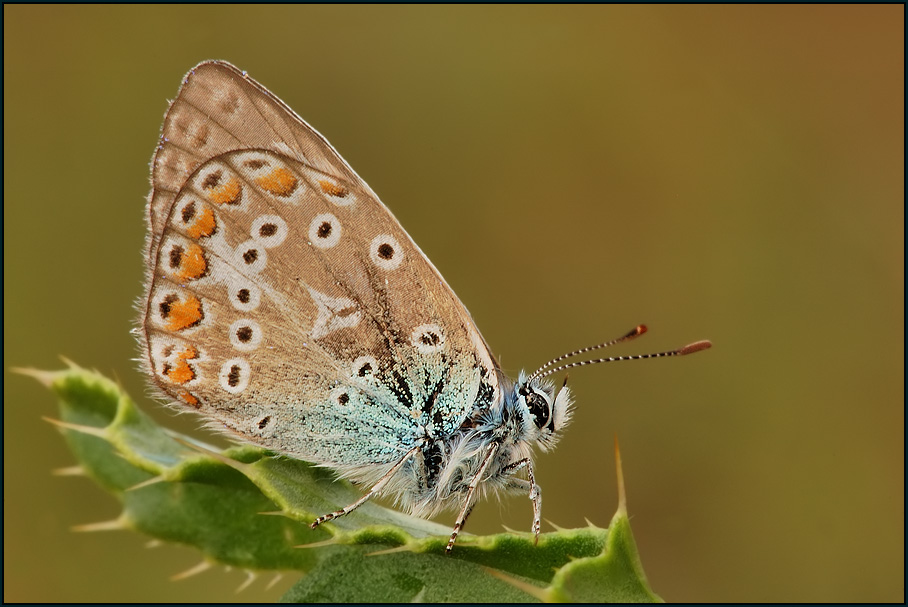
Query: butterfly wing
<point>285,302</point>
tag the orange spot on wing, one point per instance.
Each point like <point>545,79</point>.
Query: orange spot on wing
<point>225,193</point>
<point>189,353</point>
<point>203,225</point>
<point>279,182</point>
<point>332,189</point>
<point>184,314</point>
<point>182,372</point>
<point>188,398</point>
<point>192,264</point>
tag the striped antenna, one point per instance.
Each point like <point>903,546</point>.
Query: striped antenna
<point>637,332</point>
<point>544,370</point>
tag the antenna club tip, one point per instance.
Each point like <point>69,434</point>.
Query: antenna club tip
<point>695,347</point>
<point>641,329</point>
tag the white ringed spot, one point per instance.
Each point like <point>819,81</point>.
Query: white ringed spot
<point>428,338</point>
<point>245,334</point>
<point>244,297</point>
<point>364,367</point>
<point>340,396</point>
<point>325,231</point>
<point>270,230</point>
<point>234,375</point>
<point>250,257</point>
<point>386,252</point>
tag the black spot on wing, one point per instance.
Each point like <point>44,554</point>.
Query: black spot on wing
<point>401,389</point>
<point>433,396</point>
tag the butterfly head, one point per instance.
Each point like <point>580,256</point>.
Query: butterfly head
<point>544,411</point>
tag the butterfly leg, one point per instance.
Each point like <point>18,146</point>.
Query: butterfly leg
<point>468,502</point>
<point>372,492</point>
<point>534,490</point>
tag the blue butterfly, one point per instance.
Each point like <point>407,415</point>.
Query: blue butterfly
<point>286,305</point>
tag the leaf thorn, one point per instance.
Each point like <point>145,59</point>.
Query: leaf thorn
<point>152,481</point>
<point>534,591</point>
<point>330,542</point>
<point>91,430</point>
<point>404,548</point>
<point>112,525</point>
<point>69,471</point>
<point>277,578</point>
<point>250,577</point>
<point>194,570</point>
<point>556,527</point>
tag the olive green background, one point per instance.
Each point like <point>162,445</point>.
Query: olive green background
<point>732,173</point>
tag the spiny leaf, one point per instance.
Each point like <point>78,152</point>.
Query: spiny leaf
<point>249,508</point>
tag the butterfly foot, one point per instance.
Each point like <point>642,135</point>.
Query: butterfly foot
<point>451,541</point>
<point>457,527</point>
<point>324,518</point>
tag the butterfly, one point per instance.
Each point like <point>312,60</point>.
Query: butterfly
<point>286,305</point>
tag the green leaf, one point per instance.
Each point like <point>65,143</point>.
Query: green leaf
<point>249,508</point>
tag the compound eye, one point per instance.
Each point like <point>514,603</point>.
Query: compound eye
<point>539,408</point>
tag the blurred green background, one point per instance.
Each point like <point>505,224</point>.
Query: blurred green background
<point>724,172</point>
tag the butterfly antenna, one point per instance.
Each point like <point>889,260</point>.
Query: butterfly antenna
<point>636,332</point>
<point>688,349</point>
